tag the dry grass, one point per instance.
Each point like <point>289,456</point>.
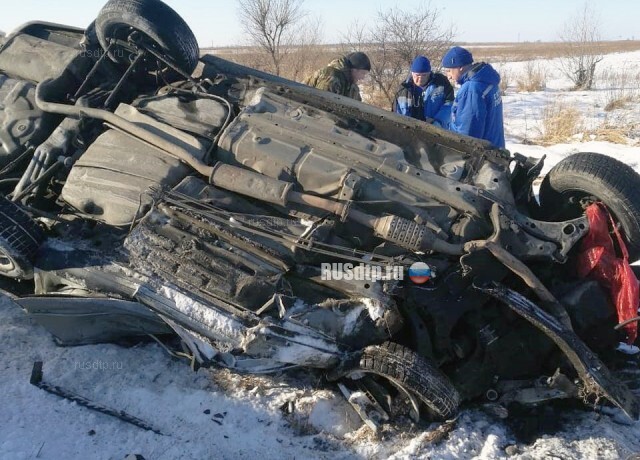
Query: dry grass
<point>532,79</point>
<point>375,97</point>
<point>617,134</point>
<point>529,51</point>
<point>565,123</point>
<point>505,80</point>
<point>490,52</point>
<point>608,134</point>
<point>617,104</point>
<point>559,123</point>
<point>620,89</point>
<point>297,64</point>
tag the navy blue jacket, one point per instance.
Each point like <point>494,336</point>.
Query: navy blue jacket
<point>433,101</point>
<point>477,109</point>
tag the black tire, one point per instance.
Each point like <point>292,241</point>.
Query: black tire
<point>593,175</point>
<point>406,369</point>
<point>157,21</point>
<point>90,36</point>
<point>20,238</point>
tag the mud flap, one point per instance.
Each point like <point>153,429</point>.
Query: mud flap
<point>595,376</point>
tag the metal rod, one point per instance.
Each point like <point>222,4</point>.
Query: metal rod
<point>36,380</point>
<point>628,321</point>
<point>128,127</point>
<point>124,77</point>
<point>92,72</point>
<point>319,247</point>
<point>11,166</point>
<point>41,178</point>
<point>163,59</point>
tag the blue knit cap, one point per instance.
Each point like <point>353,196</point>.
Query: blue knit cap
<point>421,65</point>
<point>457,57</point>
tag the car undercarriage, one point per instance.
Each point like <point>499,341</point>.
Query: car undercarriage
<point>151,192</point>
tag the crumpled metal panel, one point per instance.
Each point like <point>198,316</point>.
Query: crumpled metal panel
<point>87,320</point>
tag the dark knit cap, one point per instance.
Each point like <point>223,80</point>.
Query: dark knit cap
<point>359,60</point>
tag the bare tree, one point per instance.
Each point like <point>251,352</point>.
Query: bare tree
<point>357,37</point>
<point>581,35</point>
<point>304,52</point>
<point>269,24</point>
<point>396,39</point>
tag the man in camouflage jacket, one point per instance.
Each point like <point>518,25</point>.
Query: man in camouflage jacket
<point>341,76</point>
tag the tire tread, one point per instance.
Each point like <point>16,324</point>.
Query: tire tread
<point>415,373</point>
<point>157,20</point>
<point>20,237</point>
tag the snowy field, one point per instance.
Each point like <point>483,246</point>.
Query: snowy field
<point>523,112</point>
<point>217,414</point>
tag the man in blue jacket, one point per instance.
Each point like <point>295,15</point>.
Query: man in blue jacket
<point>425,95</point>
<point>477,108</point>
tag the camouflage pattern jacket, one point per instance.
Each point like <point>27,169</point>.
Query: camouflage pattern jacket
<point>335,77</point>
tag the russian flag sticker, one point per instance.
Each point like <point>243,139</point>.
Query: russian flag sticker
<point>420,273</point>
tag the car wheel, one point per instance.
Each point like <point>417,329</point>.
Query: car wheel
<point>90,36</point>
<point>588,177</point>
<point>411,374</point>
<point>20,238</point>
<point>160,26</point>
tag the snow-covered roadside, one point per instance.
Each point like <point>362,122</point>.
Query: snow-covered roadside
<point>218,414</point>
<point>200,419</point>
<point>625,153</point>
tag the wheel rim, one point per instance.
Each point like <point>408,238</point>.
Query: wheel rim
<point>137,40</point>
<point>120,53</point>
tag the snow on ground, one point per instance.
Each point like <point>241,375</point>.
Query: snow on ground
<point>523,112</point>
<point>202,415</point>
<point>218,414</point>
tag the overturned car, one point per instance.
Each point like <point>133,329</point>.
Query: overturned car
<point>147,191</point>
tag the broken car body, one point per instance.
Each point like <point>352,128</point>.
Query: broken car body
<point>148,192</point>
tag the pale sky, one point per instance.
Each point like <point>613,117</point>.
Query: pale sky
<point>215,22</point>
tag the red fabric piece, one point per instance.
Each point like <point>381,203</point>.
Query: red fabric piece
<point>598,260</point>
